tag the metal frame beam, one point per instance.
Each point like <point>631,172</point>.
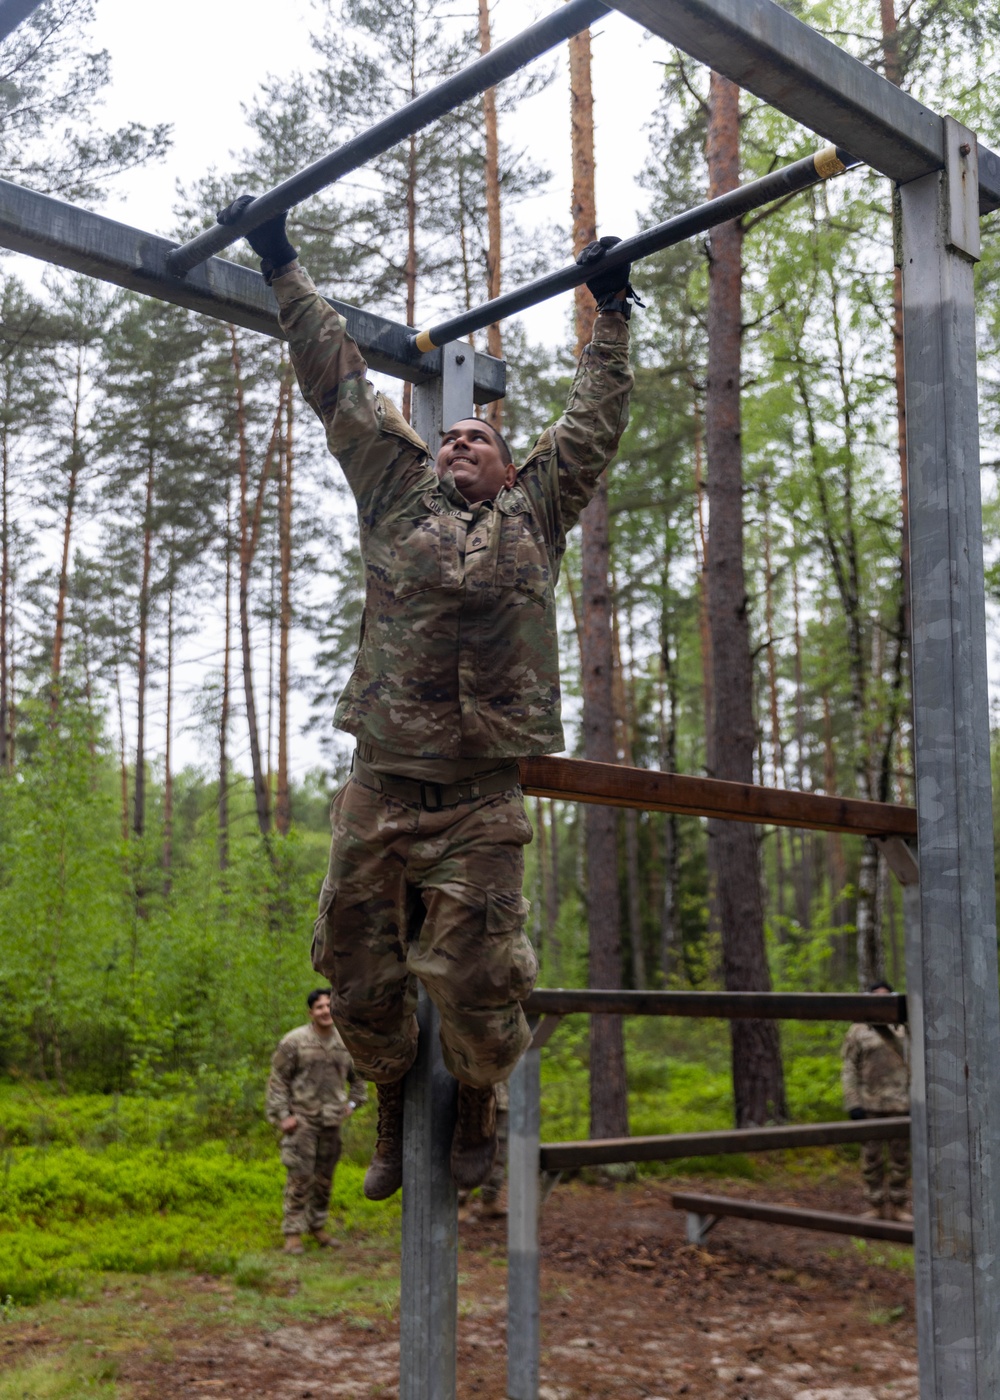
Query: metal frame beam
<point>766,50</point>
<point>61,233</point>
<point>13,13</point>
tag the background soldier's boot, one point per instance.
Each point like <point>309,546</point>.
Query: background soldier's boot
<point>324,1240</point>
<point>474,1145</point>
<point>293,1244</point>
<point>384,1176</point>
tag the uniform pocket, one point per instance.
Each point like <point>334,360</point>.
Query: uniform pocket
<point>523,562</point>
<point>322,940</point>
<point>506,917</point>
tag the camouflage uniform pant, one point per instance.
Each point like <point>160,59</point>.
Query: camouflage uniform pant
<point>873,1155</point>
<point>436,897</point>
<point>310,1155</point>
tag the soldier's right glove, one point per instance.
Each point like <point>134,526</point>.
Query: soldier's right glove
<point>605,286</point>
<point>857,1113</point>
<point>269,240</point>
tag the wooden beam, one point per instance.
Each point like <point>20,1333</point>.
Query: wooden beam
<point>560,1156</point>
<point>579,780</point>
<point>791,1006</point>
<point>829,1221</point>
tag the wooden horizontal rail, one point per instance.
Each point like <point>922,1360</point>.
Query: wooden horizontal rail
<point>562,1156</point>
<point>830,1221</point>
<point>733,1006</point>
<point>613,785</point>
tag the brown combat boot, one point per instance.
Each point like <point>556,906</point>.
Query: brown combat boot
<point>293,1244</point>
<point>474,1144</point>
<point>384,1176</point>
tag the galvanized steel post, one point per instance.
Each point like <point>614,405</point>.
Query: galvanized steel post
<point>523,1304</point>
<point>428,1292</point>
<point>428,1297</point>
<point>952,962</point>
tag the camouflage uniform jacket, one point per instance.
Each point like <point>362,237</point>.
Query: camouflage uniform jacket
<point>875,1074</point>
<point>458,656</point>
<point>309,1077</point>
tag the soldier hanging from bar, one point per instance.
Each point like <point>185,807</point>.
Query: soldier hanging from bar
<point>457,676</point>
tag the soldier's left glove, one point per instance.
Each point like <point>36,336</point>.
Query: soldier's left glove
<point>605,286</point>
<point>269,240</point>
<point>857,1113</point>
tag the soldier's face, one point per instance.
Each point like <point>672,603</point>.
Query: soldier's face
<point>319,1013</point>
<point>472,454</point>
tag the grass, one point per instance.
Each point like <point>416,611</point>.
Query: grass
<point>92,1184</point>
<point>70,1376</point>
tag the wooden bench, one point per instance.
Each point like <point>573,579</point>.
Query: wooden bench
<point>705,1212</point>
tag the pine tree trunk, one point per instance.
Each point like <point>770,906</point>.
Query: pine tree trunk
<point>223,806</point>
<point>411,220</point>
<point>758,1079</point>
<point>168,769</point>
<point>247,542</point>
<point>142,669</point>
<point>75,463</point>
<point>608,1086</point>
<point>6,748</point>
<point>494,338</point>
<point>283,809</point>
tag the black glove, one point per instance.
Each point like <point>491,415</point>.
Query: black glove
<point>857,1113</point>
<point>604,286</point>
<point>268,240</point>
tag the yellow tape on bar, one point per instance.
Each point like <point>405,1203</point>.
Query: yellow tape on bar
<point>828,163</point>
<point>424,342</point>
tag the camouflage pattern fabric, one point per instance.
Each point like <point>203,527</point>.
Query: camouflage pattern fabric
<point>875,1073</point>
<point>493,1185</point>
<point>431,895</point>
<point>458,655</point>
<point>879,1183</point>
<point>309,1154</point>
<point>313,1077</point>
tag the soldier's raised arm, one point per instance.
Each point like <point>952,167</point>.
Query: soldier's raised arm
<point>564,466</point>
<point>370,438</point>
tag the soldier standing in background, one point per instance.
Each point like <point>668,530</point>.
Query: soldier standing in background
<point>876,1080</point>
<point>313,1087</point>
<point>456,678</point>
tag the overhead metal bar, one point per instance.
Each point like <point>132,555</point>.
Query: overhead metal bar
<point>790,179</point>
<point>13,13</point>
<point>60,233</point>
<point>766,50</point>
<point>484,73</point>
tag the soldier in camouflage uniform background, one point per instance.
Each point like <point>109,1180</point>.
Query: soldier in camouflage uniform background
<point>876,1081</point>
<point>457,676</point>
<point>313,1087</point>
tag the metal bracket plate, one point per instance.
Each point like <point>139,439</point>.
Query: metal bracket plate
<point>961,172</point>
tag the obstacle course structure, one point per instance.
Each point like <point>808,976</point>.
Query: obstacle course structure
<point>946,179</point>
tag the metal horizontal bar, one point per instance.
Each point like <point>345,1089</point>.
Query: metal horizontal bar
<point>831,1222</point>
<point>484,73</point>
<point>732,205</point>
<point>766,50</point>
<point>562,1156</point>
<point>61,233</point>
<point>614,785</point>
<point>13,13</point>
<point>756,1006</point>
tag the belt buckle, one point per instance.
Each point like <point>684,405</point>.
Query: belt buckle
<point>438,790</point>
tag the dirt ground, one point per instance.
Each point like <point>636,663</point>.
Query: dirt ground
<point>628,1309</point>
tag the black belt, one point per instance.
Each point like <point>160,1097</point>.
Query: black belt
<point>432,797</point>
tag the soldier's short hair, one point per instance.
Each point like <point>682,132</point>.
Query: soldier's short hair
<point>882,986</point>
<point>314,996</point>
<point>502,443</point>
